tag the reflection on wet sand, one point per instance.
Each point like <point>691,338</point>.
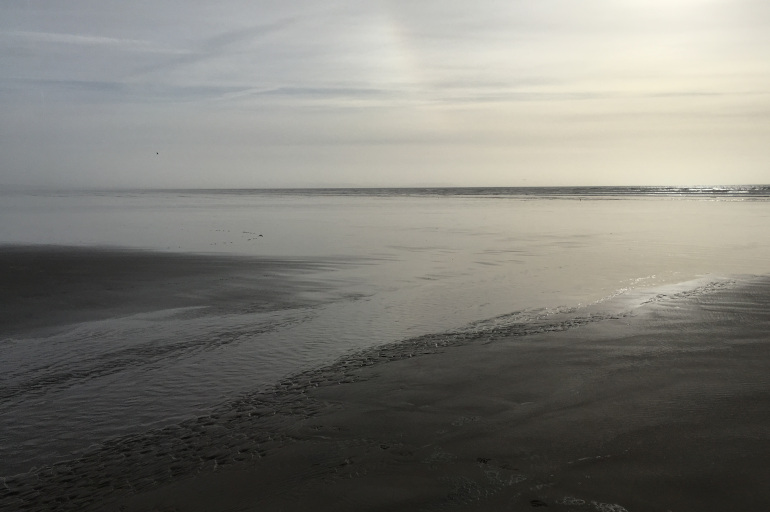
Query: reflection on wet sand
<point>655,402</point>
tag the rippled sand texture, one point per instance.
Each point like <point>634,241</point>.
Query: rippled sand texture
<point>657,407</point>
<point>99,343</point>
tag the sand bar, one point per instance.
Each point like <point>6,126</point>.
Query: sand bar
<point>46,286</point>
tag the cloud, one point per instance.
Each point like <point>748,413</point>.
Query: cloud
<point>96,91</point>
<point>357,85</point>
<point>34,40</point>
<point>58,38</point>
<point>217,45</point>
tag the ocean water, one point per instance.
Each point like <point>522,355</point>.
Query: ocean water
<point>403,263</point>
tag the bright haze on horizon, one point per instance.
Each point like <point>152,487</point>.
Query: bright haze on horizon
<point>384,93</point>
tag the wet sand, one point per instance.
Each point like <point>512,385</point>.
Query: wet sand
<point>80,325</point>
<point>47,286</point>
<point>660,407</point>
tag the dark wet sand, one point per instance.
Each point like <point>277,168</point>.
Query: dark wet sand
<point>657,408</point>
<point>46,286</point>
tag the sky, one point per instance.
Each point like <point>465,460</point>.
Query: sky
<point>257,93</point>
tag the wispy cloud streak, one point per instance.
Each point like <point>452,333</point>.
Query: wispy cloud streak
<point>217,45</point>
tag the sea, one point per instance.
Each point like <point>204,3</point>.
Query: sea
<point>397,264</point>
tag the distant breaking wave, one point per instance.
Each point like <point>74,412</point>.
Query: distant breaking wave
<point>737,192</point>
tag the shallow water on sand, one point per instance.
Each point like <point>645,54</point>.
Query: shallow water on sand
<point>400,265</point>
<point>612,407</point>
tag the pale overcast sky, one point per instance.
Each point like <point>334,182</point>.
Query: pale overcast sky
<point>260,93</point>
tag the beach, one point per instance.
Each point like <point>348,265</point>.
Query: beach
<point>53,285</point>
<point>374,256</point>
<point>378,349</point>
<point>655,400</point>
<point>102,342</point>
<point>661,408</point>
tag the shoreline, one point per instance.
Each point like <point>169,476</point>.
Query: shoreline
<point>576,415</point>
